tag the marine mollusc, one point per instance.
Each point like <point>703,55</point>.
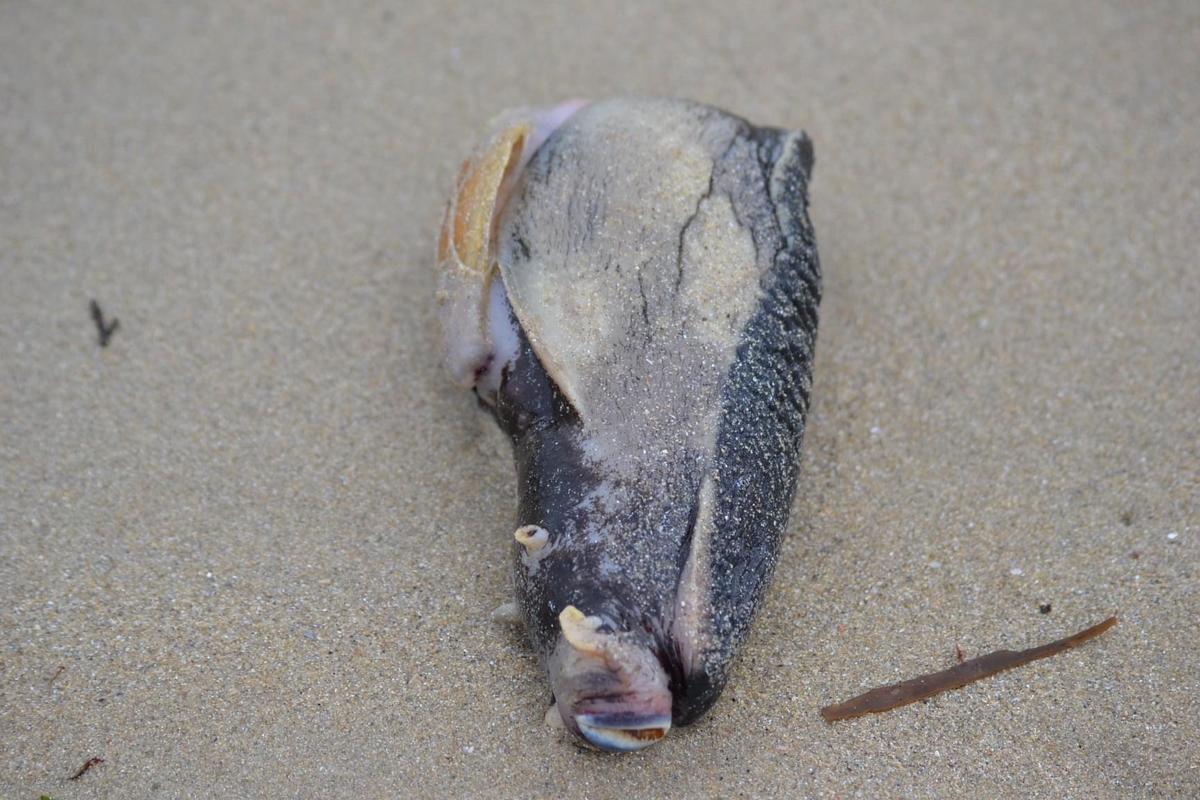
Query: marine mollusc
<point>631,287</point>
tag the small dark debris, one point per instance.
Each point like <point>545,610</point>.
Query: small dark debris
<point>1135,555</point>
<point>104,332</point>
<point>958,654</point>
<point>91,762</point>
<point>1045,608</point>
<point>1127,518</point>
<point>57,672</point>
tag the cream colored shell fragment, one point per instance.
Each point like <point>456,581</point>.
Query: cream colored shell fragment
<point>580,631</point>
<point>465,254</point>
<point>531,537</point>
<point>466,251</point>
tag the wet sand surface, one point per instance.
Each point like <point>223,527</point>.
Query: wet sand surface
<point>250,548</point>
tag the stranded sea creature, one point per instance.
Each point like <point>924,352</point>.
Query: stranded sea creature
<point>631,287</point>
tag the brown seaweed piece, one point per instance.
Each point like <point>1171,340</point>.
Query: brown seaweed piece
<point>91,762</point>
<point>885,698</point>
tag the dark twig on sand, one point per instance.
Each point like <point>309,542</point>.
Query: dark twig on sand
<point>104,331</point>
<point>91,762</point>
<point>885,698</point>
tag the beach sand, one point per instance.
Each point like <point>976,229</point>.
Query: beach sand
<point>251,547</point>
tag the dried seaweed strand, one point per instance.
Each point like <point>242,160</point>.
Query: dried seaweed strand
<point>885,698</point>
<point>91,762</point>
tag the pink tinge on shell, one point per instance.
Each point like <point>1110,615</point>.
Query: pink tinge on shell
<point>477,350</point>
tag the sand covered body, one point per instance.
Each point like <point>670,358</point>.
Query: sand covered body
<point>663,277</point>
<point>631,274</point>
<point>261,534</point>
